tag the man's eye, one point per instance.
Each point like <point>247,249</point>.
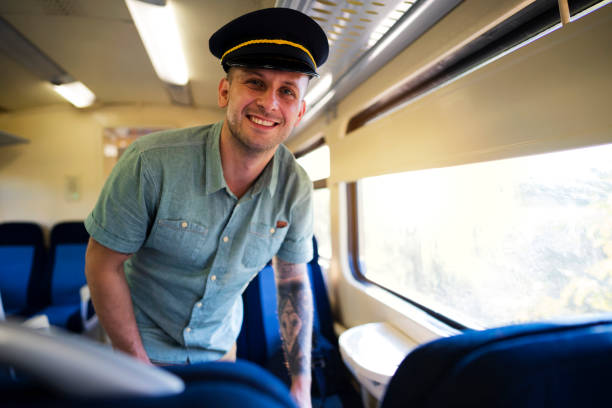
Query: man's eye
<point>288,92</point>
<point>255,82</point>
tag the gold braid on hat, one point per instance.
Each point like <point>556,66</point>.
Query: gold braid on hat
<point>266,41</point>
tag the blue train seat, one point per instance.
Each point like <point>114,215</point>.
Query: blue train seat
<point>54,369</point>
<point>259,340</point>
<point>259,337</point>
<point>66,274</point>
<point>22,257</point>
<point>240,384</point>
<point>528,365</point>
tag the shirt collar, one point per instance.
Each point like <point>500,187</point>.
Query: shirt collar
<point>274,172</point>
<point>214,171</point>
<point>215,180</point>
<point>268,177</point>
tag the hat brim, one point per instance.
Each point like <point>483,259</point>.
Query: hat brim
<point>271,56</point>
<point>272,63</point>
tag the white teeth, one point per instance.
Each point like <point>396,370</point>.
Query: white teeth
<point>261,121</point>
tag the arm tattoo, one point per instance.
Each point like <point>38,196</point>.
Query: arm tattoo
<point>295,315</point>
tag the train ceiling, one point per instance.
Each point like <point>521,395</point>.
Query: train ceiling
<point>96,43</point>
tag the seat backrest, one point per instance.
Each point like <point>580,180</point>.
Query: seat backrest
<point>528,365</point>
<point>324,318</point>
<point>259,337</point>
<point>67,262</point>
<point>246,384</point>
<point>22,255</point>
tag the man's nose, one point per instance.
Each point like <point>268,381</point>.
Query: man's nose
<point>268,100</point>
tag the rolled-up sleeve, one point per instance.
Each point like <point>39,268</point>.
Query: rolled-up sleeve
<point>122,216</point>
<point>297,246</point>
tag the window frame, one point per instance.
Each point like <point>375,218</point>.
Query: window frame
<point>356,267</point>
<point>316,184</point>
<point>319,142</point>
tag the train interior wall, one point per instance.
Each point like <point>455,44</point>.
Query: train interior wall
<point>65,142</point>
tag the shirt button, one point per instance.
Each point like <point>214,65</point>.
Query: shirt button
<point>199,304</point>
<point>184,224</point>
<point>188,329</point>
<point>214,277</point>
<point>272,230</point>
<point>225,239</point>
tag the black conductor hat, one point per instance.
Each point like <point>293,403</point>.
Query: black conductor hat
<point>274,38</point>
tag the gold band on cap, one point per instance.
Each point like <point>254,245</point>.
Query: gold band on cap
<point>265,41</point>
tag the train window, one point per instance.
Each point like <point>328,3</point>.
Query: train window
<point>316,163</point>
<point>497,242</point>
<point>322,223</point>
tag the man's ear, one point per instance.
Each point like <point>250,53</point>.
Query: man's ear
<point>223,96</point>
<point>301,112</point>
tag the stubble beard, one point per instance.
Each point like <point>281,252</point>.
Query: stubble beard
<point>243,142</point>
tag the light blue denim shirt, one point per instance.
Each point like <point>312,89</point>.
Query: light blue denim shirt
<point>196,246</point>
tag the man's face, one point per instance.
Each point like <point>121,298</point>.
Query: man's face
<point>263,105</point>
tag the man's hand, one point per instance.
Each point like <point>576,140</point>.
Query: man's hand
<point>142,357</point>
<point>300,391</point>
<point>295,317</point>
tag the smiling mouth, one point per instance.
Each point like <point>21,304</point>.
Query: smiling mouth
<point>261,122</point>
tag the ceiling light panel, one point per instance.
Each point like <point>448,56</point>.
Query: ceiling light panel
<point>159,32</point>
<point>76,93</point>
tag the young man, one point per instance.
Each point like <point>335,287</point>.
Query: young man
<point>188,217</point>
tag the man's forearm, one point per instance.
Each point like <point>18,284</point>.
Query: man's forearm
<point>110,295</point>
<point>295,311</point>
<point>113,305</point>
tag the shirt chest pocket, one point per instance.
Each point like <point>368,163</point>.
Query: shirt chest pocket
<point>263,242</point>
<point>183,240</point>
